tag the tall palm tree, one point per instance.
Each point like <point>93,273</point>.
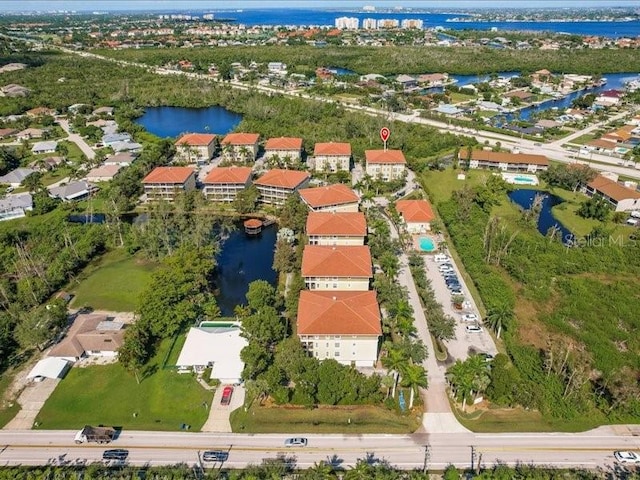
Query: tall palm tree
<point>414,377</point>
<point>499,318</point>
<point>395,361</point>
<point>362,470</point>
<point>319,471</point>
<point>478,368</point>
<point>461,381</point>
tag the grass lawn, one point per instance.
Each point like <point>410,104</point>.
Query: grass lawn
<point>113,282</point>
<point>457,97</point>
<point>9,409</point>
<point>520,420</point>
<point>109,395</point>
<point>581,140</point>
<point>290,419</point>
<point>440,184</point>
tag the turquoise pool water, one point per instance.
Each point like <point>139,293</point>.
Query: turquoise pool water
<point>426,244</point>
<point>524,180</point>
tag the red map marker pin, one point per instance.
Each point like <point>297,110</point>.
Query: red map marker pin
<point>385,133</point>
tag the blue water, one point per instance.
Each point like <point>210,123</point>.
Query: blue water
<point>426,244</point>
<point>524,197</point>
<point>524,179</point>
<point>323,17</point>
<point>243,259</point>
<point>174,121</point>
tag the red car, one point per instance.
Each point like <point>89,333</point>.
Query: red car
<point>226,395</point>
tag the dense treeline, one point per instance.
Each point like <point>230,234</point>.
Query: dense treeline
<point>585,359</point>
<point>393,60</point>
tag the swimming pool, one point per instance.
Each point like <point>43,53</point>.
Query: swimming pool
<point>524,180</point>
<point>426,244</point>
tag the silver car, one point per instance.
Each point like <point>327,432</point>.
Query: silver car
<point>295,442</point>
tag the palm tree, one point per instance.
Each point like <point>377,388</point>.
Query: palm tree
<point>499,318</point>
<point>479,370</point>
<point>461,381</point>
<point>414,376</point>
<point>395,361</point>
<point>415,349</point>
<point>401,316</point>
<point>319,471</point>
<point>33,182</point>
<point>388,381</point>
<point>362,470</point>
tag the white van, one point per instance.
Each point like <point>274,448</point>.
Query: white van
<point>441,258</point>
<point>632,221</point>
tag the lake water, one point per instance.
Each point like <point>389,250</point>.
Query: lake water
<point>243,259</point>
<point>524,198</point>
<point>174,121</point>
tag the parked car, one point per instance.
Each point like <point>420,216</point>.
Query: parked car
<point>457,291</point>
<point>115,454</point>
<point>215,456</point>
<point>295,442</point>
<point>473,328</point>
<point>226,395</point>
<point>454,286</point>
<point>445,267</point>
<point>487,356</point>
<point>626,457</point>
<point>470,317</point>
<point>467,305</point>
<point>441,258</point>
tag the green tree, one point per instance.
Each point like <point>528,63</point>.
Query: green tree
<point>33,182</point>
<point>260,294</point>
<point>395,360</point>
<point>134,351</point>
<point>595,207</point>
<point>499,318</point>
<point>246,200</point>
<point>414,377</point>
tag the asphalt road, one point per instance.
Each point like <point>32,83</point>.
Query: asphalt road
<point>590,450</point>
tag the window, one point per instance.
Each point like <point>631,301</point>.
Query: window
<point>337,354</point>
<point>337,345</point>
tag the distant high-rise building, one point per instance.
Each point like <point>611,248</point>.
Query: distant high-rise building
<point>369,24</point>
<point>412,23</point>
<point>347,23</point>
<point>388,23</point>
<point>369,8</point>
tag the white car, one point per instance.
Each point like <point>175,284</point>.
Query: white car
<point>470,317</point>
<point>626,457</point>
<point>295,442</point>
<point>473,328</point>
<point>445,267</point>
<point>440,258</point>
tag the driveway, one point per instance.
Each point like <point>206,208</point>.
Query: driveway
<point>218,420</point>
<point>77,139</point>
<point>31,401</point>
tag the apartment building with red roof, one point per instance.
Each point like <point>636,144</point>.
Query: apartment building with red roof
<point>416,215</point>
<point>385,164</point>
<point>505,161</point>
<point>345,326</point>
<point>277,185</point>
<point>330,198</point>
<point>332,157</point>
<point>336,228</point>
<point>240,147</point>
<point>195,148</point>
<point>164,183</point>
<point>620,197</point>
<point>222,184</point>
<point>337,267</point>
<point>284,148</point>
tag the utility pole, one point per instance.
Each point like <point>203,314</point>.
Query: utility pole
<point>473,456</point>
<point>427,457</point>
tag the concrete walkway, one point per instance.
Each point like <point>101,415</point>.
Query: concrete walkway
<point>31,400</point>
<point>218,420</point>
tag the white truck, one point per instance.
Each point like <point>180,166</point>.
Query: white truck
<point>95,434</point>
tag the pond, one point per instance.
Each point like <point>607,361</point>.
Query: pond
<point>524,198</point>
<point>243,259</point>
<point>174,121</point>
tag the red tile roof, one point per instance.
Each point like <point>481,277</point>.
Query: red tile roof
<point>228,175</point>
<point>505,157</point>
<point>169,175</point>
<point>612,189</point>
<point>332,148</point>
<point>339,261</point>
<point>415,211</point>
<point>338,313</point>
<point>196,139</point>
<point>283,178</point>
<point>337,194</point>
<point>341,224</point>
<point>384,156</point>
<point>284,143</point>
<point>241,139</point>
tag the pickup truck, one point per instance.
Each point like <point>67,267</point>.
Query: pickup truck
<point>95,434</point>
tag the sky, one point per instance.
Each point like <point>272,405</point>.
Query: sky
<point>114,5</point>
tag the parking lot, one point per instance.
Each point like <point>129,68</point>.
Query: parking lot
<point>465,342</point>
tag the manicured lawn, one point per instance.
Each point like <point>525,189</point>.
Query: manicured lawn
<point>363,418</point>
<point>113,282</point>
<point>520,420</point>
<point>581,140</point>
<point>109,395</point>
<point>457,97</point>
<point>440,184</point>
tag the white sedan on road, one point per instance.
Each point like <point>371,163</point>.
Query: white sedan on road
<point>469,317</point>
<point>626,457</point>
<point>473,328</point>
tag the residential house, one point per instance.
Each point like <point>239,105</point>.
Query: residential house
<point>513,162</point>
<point>222,184</point>
<point>40,112</point>
<point>385,164</point>
<point>407,82</point>
<point>621,135</point>
<point>164,183</point>
<point>196,147</point>
<point>103,111</point>
<point>126,146</point>
<point>416,215</point>
<point>72,191</point>
<point>103,173</point>
<point>332,157</point>
<point>46,164</point>
<point>284,148</point>
<point>112,138</point>
<point>433,79</point>
<point>277,185</point>
<point>29,133</point>
<point>448,109</point>
<point>336,228</point>
<point>15,177</point>
<point>521,95</point>
<point>337,267</point>
<point>331,198</point>
<point>621,198</point>
<point>344,326</point>
<point>44,147</point>
<point>609,98</point>
<point>241,147</point>
<point>15,206</point>
<point>123,159</point>
<point>7,132</point>
<point>606,147</point>
<point>90,335</point>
